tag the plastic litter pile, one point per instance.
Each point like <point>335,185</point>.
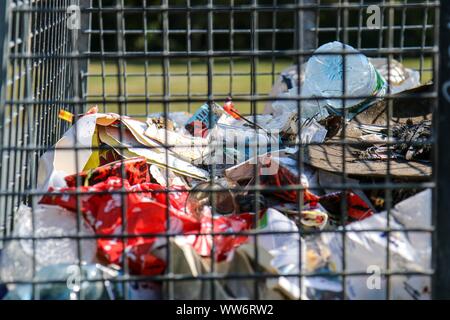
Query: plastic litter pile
<point>122,185</point>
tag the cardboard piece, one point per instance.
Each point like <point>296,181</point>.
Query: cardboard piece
<point>128,147</point>
<point>189,148</point>
<point>329,157</point>
<point>77,150</point>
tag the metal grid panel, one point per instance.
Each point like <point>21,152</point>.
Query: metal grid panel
<point>35,90</point>
<point>183,53</point>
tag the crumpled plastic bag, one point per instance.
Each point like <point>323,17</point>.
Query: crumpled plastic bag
<point>146,211</point>
<point>366,252</point>
<point>49,221</point>
<point>415,212</point>
<point>64,159</point>
<point>97,287</point>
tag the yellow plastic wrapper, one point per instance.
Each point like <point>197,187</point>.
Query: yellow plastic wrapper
<point>65,115</point>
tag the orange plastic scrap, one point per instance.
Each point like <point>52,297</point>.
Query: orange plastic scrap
<point>65,115</point>
<point>230,109</point>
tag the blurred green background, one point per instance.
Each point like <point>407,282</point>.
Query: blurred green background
<point>238,82</point>
<point>135,80</point>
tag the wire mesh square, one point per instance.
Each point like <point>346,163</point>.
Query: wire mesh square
<point>144,61</point>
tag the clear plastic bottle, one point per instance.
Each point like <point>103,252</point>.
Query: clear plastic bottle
<point>324,76</point>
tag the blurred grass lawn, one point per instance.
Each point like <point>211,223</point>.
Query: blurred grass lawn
<point>226,81</point>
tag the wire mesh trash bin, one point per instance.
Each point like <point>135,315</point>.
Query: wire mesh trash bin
<point>308,169</point>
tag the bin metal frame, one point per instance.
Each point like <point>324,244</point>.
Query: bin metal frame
<point>47,68</point>
<point>442,121</point>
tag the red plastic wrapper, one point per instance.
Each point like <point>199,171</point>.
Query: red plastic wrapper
<point>224,243</point>
<point>135,171</point>
<point>177,196</point>
<point>146,213</point>
<point>285,177</point>
<point>357,208</point>
<point>147,207</point>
